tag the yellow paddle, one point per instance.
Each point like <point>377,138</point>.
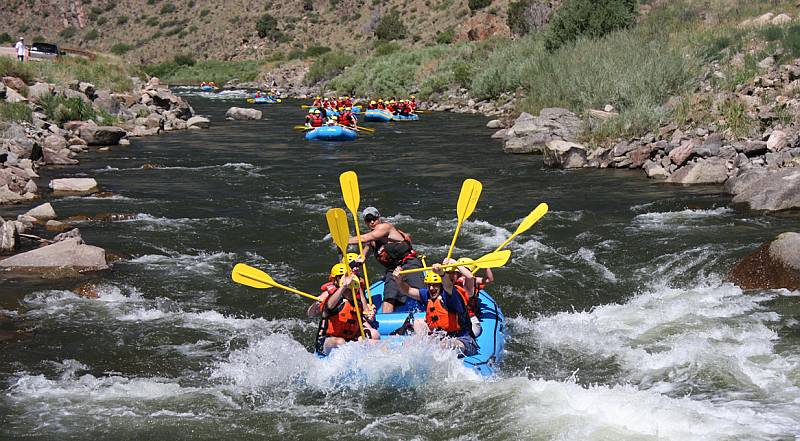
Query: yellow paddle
<point>352,198</point>
<point>255,278</point>
<point>337,223</point>
<point>527,223</point>
<point>303,128</point>
<point>470,192</point>
<point>492,260</point>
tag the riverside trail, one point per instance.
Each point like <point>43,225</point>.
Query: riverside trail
<point>620,323</point>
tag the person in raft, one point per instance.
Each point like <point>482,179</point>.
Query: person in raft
<point>393,249</point>
<point>314,118</point>
<point>469,285</point>
<point>336,306</point>
<point>445,311</point>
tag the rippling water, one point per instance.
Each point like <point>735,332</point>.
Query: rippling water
<point>621,326</point>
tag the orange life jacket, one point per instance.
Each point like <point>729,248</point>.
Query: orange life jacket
<point>343,324</point>
<point>473,303</point>
<point>439,318</point>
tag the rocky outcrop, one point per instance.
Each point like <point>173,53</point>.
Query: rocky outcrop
<point>44,212</point>
<point>240,113</point>
<point>198,122</point>
<point>563,154</point>
<point>9,237</point>
<point>530,134</point>
<point>772,266</point>
<point>70,253</point>
<point>762,189</point>
<point>101,135</point>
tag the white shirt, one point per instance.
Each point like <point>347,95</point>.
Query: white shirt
<point>20,46</point>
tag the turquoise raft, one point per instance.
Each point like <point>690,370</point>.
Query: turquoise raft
<point>263,100</point>
<point>331,133</point>
<point>490,342</point>
<point>411,117</point>
<point>208,88</point>
<point>377,115</point>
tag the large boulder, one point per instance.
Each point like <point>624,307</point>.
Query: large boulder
<point>767,190</point>
<point>74,185</point>
<point>564,154</point>
<point>43,212</point>
<point>106,103</point>
<point>101,135</point>
<point>55,151</point>
<point>39,91</point>
<point>9,197</point>
<point>12,96</point>
<point>704,171</point>
<point>774,265</point>
<point>240,113</point>
<point>15,83</point>
<point>70,253</point>
<point>531,143</point>
<point>198,122</point>
<point>9,237</point>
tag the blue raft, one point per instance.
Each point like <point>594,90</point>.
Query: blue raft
<point>331,133</point>
<point>490,342</point>
<point>263,100</point>
<point>409,117</point>
<point>377,115</point>
<point>208,88</point>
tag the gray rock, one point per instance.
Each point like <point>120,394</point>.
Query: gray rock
<point>494,124</point>
<point>777,140</point>
<point>199,122</point>
<point>654,170</point>
<point>500,134</point>
<point>623,147</point>
<point>564,154</point>
<point>240,113</point>
<point>101,135</point>
<point>87,89</point>
<point>704,171</point>
<point>767,190</point>
<point>533,143</point>
<point>2,91</point>
<point>710,147</point>
<point>751,148</point>
<point>69,253</point>
<point>74,185</point>
<point>43,212</point>
<point>31,187</point>
<point>727,152</point>
<point>9,197</point>
<point>71,234</point>
<point>39,91</point>
<point>53,151</point>
<point>774,265</point>
<point>105,102</point>
<point>13,97</point>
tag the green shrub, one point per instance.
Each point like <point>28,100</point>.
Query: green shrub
<point>476,5</point>
<point>91,35</point>
<point>122,19</point>
<point>328,66</point>
<point>791,41</point>
<point>295,54</point>
<point>446,36</point>
<point>68,33</point>
<point>5,38</point>
<point>462,74</point>
<point>184,60</point>
<point>386,48</point>
<point>390,27</point>
<point>19,112</point>
<point>209,70</point>
<point>526,16</point>
<point>101,21</point>
<point>267,27</point>
<point>315,51</point>
<point>167,8</point>
<point>204,12</point>
<point>120,48</point>
<point>60,110</point>
<point>590,18</point>
<point>772,32</point>
<point>39,39</point>
<point>152,21</point>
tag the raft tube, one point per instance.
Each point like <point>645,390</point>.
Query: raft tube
<point>490,342</point>
<point>331,133</point>
<point>208,88</point>
<point>411,117</point>
<point>377,115</point>
<point>263,100</point>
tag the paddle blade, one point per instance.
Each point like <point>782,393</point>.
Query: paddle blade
<point>532,218</point>
<point>252,277</point>
<point>468,199</point>
<point>493,260</point>
<point>337,223</point>
<point>350,191</point>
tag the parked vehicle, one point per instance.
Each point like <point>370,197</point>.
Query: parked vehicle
<point>44,51</point>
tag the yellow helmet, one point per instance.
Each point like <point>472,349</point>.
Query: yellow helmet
<point>316,111</point>
<point>338,270</point>
<point>341,107</point>
<point>372,102</point>
<point>312,110</point>
<point>467,262</point>
<point>412,97</point>
<point>380,100</point>
<point>351,257</point>
<point>318,97</point>
<point>348,108</point>
<point>432,278</point>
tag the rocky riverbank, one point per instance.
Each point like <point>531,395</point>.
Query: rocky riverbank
<point>25,148</point>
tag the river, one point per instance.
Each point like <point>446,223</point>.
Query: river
<point>621,326</point>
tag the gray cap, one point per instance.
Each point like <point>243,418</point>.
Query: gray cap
<point>371,211</point>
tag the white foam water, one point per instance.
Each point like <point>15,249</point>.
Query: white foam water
<point>681,220</point>
<point>148,222</point>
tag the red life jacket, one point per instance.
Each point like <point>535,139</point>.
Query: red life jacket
<point>473,303</point>
<point>394,254</point>
<point>348,103</point>
<point>317,103</point>
<point>381,106</point>
<point>413,104</point>
<point>439,318</point>
<point>315,120</point>
<point>343,324</point>
<point>391,108</point>
<point>346,118</point>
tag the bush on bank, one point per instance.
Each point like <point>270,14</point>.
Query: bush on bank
<point>103,72</point>
<point>206,70</point>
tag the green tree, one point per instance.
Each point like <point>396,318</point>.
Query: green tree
<point>476,5</point>
<point>391,27</point>
<point>267,27</point>
<point>591,18</point>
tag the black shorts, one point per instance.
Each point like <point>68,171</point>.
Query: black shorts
<point>391,293</point>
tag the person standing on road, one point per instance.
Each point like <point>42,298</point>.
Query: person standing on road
<point>20,47</point>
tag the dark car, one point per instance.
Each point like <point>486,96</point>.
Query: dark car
<point>44,51</point>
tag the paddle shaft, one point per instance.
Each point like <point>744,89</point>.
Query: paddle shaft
<point>278,285</point>
<point>427,268</point>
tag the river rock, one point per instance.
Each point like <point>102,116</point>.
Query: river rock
<point>74,185</point>
<point>9,237</point>
<point>9,197</point>
<point>711,146</point>
<point>564,154</point>
<point>681,154</point>
<point>43,212</point>
<point>101,135</point>
<point>39,91</point>
<point>14,83</point>
<point>87,89</point>
<point>494,124</point>
<point>767,190</point>
<point>54,225</point>
<point>55,151</point>
<point>751,148</point>
<point>654,170</point>
<point>13,97</point>
<point>198,122</point>
<point>70,254</point>
<point>774,265</point>
<point>240,113</point>
<point>776,141</point>
<point>532,143</point>
<point>704,171</point>
<point>106,103</point>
